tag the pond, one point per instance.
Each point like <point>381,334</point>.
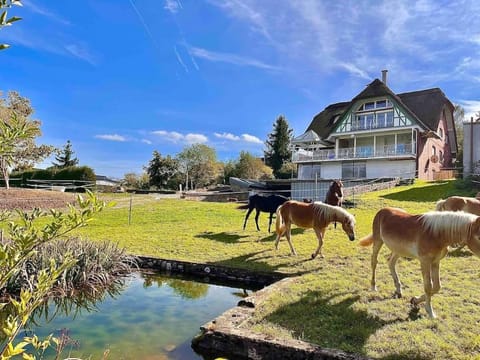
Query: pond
<point>153,317</point>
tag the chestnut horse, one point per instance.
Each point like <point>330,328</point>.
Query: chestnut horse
<point>315,215</point>
<point>424,237</point>
<point>334,194</point>
<point>459,203</point>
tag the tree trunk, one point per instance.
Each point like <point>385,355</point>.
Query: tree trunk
<point>4,166</point>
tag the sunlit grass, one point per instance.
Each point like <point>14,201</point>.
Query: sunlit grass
<point>328,302</point>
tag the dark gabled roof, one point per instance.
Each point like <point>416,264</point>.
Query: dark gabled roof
<point>324,122</point>
<point>375,89</point>
<point>425,106</point>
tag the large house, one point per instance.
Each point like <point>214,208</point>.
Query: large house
<point>379,134</point>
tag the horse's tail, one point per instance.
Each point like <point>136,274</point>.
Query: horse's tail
<point>279,224</point>
<point>440,206</point>
<point>367,240</point>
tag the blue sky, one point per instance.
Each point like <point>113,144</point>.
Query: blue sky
<point>122,78</point>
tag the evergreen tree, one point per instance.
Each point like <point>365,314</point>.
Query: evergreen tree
<point>65,157</point>
<point>278,145</point>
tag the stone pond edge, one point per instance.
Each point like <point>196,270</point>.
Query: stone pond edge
<point>224,334</point>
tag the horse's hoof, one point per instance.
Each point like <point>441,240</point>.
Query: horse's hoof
<point>397,295</point>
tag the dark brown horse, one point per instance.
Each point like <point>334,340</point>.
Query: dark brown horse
<point>334,195</point>
<point>260,203</point>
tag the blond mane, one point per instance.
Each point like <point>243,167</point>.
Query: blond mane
<point>332,213</point>
<point>452,225</point>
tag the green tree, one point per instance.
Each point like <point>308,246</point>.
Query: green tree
<point>18,132</point>
<point>459,117</point>
<point>198,164</point>
<point>162,171</point>
<point>287,171</point>
<point>278,145</point>
<point>6,4</point>
<point>65,157</point>
<point>136,181</point>
<point>252,167</point>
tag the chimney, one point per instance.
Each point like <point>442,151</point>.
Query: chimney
<point>384,76</point>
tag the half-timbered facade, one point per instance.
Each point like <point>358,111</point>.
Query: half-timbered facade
<point>379,134</point>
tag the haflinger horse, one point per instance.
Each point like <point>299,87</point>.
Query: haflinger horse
<point>334,194</point>
<point>459,203</point>
<point>315,215</point>
<point>425,237</point>
<point>260,203</point>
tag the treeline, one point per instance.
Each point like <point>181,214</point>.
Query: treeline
<point>197,165</point>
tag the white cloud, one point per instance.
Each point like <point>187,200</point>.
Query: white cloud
<point>251,139</point>
<point>227,136</point>
<point>244,137</point>
<point>111,137</point>
<point>230,59</point>
<point>81,51</point>
<point>173,6</point>
<point>176,137</point>
<point>34,7</point>
<point>146,141</point>
<point>195,138</point>
<point>412,38</point>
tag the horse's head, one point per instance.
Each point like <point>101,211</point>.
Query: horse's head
<point>337,187</point>
<point>348,225</point>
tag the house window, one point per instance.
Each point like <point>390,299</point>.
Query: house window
<point>309,172</point>
<point>434,150</point>
<point>373,105</point>
<point>354,169</point>
<point>440,133</point>
<point>385,119</point>
<point>440,156</point>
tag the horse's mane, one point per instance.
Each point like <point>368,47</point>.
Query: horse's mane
<point>440,204</point>
<point>453,225</point>
<point>332,213</point>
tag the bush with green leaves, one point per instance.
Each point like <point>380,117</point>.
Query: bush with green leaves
<point>21,239</point>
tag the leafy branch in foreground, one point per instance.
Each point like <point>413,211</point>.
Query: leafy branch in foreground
<point>22,239</point>
<point>4,4</point>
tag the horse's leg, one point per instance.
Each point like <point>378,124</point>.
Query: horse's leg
<point>246,217</point>
<point>392,262</point>
<point>256,219</point>
<point>270,222</point>
<point>320,234</point>
<point>288,234</point>
<point>426,268</point>
<point>377,245</point>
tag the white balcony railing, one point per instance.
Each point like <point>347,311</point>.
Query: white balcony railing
<point>359,152</point>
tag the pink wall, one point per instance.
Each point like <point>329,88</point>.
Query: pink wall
<point>426,167</point>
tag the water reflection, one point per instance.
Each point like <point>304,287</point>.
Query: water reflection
<point>145,316</point>
<point>183,288</point>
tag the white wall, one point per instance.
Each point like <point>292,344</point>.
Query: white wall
<point>385,168</point>
<point>467,148</point>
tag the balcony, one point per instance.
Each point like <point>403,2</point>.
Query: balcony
<point>359,152</point>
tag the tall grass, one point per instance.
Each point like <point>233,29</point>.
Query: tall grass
<point>98,266</point>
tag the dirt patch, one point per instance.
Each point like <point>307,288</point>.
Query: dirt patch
<point>28,199</point>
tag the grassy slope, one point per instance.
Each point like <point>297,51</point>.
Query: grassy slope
<point>329,303</point>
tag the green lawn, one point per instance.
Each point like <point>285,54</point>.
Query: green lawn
<point>329,303</point>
